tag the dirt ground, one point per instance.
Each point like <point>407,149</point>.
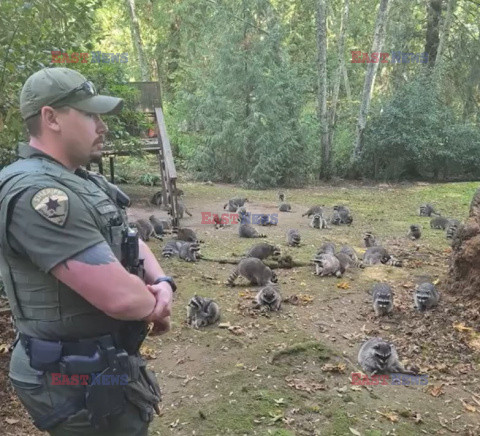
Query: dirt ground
<point>289,373</point>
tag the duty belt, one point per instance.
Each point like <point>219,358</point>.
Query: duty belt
<point>84,356</point>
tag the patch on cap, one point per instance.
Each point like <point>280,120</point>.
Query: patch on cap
<point>52,204</point>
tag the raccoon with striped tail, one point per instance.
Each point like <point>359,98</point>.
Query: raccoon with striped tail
<point>254,270</point>
<point>188,251</point>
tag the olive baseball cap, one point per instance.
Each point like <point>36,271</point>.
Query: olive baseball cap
<point>59,87</point>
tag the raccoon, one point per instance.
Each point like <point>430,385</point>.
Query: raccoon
<point>254,270</point>
<point>377,356</point>
<point>157,198</point>
<point>234,203</point>
<point>202,312</point>
<point>427,210</point>
<point>369,240</point>
<point>341,215</point>
<point>313,210</point>
<point>382,299</point>
<point>345,262</point>
<point>145,230</point>
<point>243,215</point>
<point>184,234</point>
<point>269,297</point>
<point>230,207</point>
<point>266,221</point>
<point>159,226</point>
<point>293,237</point>
<point>217,220</point>
<point>263,250</point>
<point>440,223</point>
<point>188,251</point>
<point>426,296</point>
<point>318,222</point>
<point>452,228</point>
<point>327,264</point>
<point>182,209</point>
<point>414,232</point>
<point>335,219</point>
<point>393,261</point>
<point>247,231</point>
<point>281,197</point>
<point>284,207</point>
<point>375,255</point>
<point>326,248</point>
<point>350,252</point>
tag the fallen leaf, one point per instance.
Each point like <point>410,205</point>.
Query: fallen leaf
<point>147,353</point>
<point>468,407</point>
<point>343,285</point>
<point>355,432</point>
<point>435,390</point>
<point>4,348</point>
<point>460,327</point>
<point>330,367</point>
<point>236,330</point>
<point>11,421</point>
<point>391,416</point>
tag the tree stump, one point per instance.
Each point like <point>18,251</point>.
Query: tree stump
<point>464,270</point>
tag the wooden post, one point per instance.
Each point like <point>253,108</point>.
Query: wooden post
<point>112,169</point>
<point>167,168</point>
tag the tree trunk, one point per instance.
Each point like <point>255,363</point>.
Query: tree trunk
<point>321,23</point>
<point>338,76</point>
<point>434,12</point>
<point>345,79</point>
<point>137,40</point>
<point>445,32</point>
<point>378,40</point>
<point>464,270</point>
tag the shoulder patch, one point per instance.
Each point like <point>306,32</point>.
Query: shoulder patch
<point>52,204</point>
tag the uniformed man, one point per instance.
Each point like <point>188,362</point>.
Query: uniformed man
<point>81,287</point>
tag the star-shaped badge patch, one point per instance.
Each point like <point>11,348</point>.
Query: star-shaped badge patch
<point>52,204</point>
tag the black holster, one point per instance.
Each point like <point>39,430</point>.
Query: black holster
<point>105,399</point>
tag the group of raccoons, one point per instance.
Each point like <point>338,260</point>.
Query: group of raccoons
<point>376,356</point>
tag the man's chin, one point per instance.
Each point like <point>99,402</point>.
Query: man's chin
<point>95,156</point>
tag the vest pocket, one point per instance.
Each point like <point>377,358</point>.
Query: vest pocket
<point>112,224</point>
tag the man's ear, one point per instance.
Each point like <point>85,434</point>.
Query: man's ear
<point>50,118</point>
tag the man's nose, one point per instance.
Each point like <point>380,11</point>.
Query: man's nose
<point>101,127</point>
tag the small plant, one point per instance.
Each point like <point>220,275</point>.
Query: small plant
<point>149,179</point>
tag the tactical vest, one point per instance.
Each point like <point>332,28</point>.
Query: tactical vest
<point>43,306</point>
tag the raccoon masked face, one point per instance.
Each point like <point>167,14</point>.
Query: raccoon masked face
<point>383,353</point>
<point>274,278</point>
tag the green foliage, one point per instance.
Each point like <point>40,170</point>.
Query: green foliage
<point>149,179</point>
<point>416,135</point>
<point>29,31</point>
<point>126,126</point>
<point>246,105</point>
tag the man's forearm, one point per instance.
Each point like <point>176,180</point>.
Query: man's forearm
<point>153,270</point>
